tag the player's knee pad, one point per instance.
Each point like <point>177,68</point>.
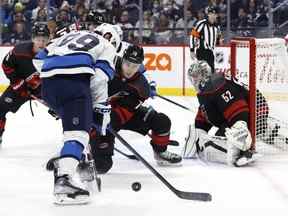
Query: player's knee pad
<point>161,123</point>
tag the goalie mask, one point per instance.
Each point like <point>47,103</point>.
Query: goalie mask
<point>199,74</point>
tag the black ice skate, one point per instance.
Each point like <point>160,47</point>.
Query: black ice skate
<point>167,158</point>
<point>67,193</point>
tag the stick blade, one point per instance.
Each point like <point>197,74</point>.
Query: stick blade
<point>197,196</point>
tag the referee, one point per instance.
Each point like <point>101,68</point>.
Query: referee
<point>204,37</point>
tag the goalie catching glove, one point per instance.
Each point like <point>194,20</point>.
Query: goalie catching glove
<point>101,117</point>
<point>239,136</point>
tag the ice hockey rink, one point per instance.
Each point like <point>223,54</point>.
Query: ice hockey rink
<point>26,187</point>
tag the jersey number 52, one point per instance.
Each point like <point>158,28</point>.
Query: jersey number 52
<point>227,96</point>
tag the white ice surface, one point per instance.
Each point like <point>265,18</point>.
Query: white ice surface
<point>26,188</point>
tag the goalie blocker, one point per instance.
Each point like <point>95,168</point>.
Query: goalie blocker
<point>223,103</point>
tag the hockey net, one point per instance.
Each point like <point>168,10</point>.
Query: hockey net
<point>261,64</point>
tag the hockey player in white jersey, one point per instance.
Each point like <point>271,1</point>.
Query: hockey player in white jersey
<point>74,75</point>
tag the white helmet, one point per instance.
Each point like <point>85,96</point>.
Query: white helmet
<point>199,74</point>
<point>108,32</point>
<point>118,29</point>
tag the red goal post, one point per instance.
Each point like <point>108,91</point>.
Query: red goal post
<point>261,64</point>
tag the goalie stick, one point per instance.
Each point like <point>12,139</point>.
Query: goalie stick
<point>181,194</point>
<point>132,157</point>
<point>173,102</point>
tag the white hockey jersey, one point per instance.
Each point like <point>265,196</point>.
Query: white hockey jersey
<point>76,53</point>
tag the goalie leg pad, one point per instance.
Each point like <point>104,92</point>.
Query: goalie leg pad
<point>194,142</point>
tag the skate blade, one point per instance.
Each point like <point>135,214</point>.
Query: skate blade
<point>168,164</point>
<point>245,161</point>
<point>63,199</point>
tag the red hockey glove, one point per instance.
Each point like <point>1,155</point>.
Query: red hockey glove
<point>33,81</point>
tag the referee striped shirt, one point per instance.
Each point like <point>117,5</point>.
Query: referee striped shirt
<point>204,36</point>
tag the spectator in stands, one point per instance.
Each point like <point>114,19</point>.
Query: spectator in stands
<point>172,11</point>
<point>200,14</point>
<point>125,25</point>
<point>262,15</point>
<point>222,6</point>
<point>179,34</point>
<point>18,34</point>
<point>163,34</point>
<point>149,23</point>
<point>116,11</point>
<point>5,10</point>
<point>42,5</point>
<point>251,12</point>
<point>63,18</point>
<point>17,17</point>
<point>82,14</point>
<point>102,9</point>
<point>156,10</point>
<point>242,20</point>
<point>222,11</point>
<point>212,3</point>
<point>41,15</point>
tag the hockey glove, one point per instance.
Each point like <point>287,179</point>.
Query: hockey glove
<point>19,86</point>
<point>33,81</point>
<point>101,117</point>
<point>153,91</point>
<point>239,136</point>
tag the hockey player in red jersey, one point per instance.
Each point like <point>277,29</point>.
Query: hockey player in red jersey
<point>127,92</point>
<point>223,103</point>
<point>19,69</point>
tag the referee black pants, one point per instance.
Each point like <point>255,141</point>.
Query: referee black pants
<point>207,55</point>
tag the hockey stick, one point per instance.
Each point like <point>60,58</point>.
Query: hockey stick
<point>132,157</point>
<point>173,102</point>
<point>181,194</point>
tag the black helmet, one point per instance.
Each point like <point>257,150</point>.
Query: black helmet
<point>40,30</point>
<point>95,17</point>
<point>134,54</point>
<point>211,9</point>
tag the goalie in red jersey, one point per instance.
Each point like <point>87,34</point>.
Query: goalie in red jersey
<point>223,103</point>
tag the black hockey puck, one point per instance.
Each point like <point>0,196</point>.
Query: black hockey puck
<point>136,186</point>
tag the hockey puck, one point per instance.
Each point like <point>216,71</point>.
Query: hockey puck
<point>136,186</point>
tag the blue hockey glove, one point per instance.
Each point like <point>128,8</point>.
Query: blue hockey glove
<point>153,90</point>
